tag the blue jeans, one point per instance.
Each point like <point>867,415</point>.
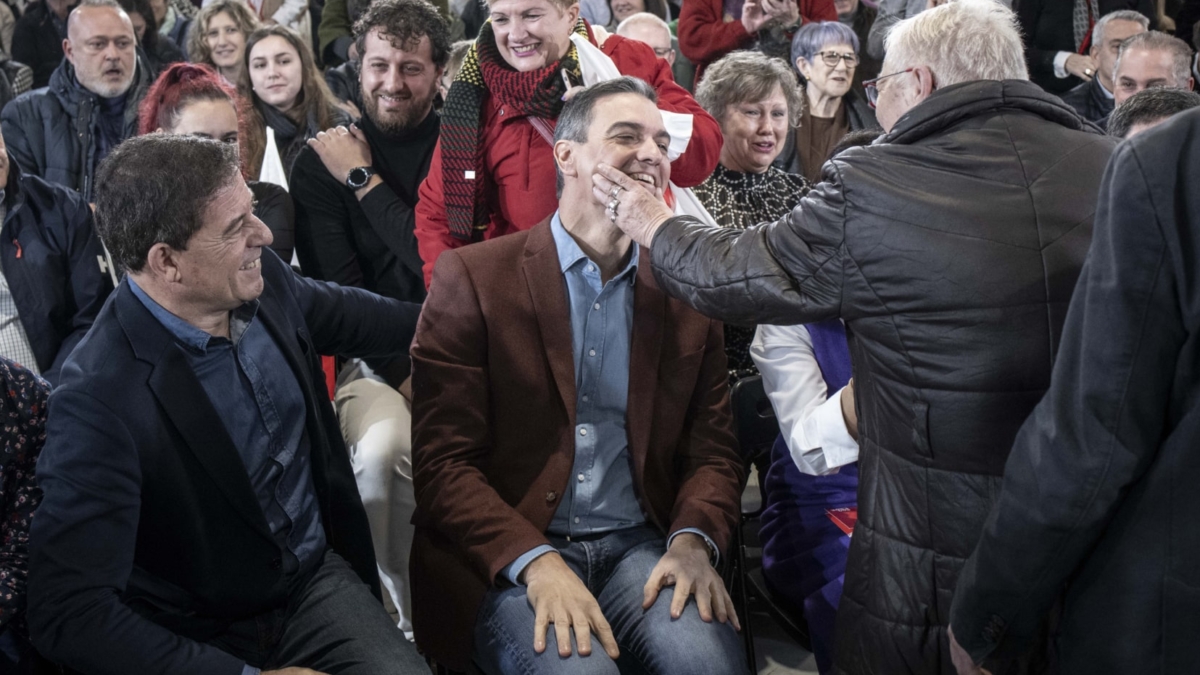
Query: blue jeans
<point>614,568</point>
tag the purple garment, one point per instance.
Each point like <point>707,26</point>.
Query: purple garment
<point>804,552</point>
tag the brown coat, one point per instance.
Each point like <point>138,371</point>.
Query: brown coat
<point>494,413</point>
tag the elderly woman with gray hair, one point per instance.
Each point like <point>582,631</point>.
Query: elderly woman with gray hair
<point>825,54</point>
<point>755,100</point>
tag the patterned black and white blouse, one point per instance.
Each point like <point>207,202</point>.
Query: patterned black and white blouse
<point>23,413</point>
<point>742,200</point>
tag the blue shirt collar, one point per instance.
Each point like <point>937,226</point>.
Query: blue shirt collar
<point>569,253</point>
<point>185,332</point>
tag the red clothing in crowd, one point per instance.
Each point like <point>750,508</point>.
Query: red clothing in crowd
<point>705,35</point>
<point>520,163</point>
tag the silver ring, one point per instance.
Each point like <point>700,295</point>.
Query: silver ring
<point>1087,71</point>
<point>613,204</point>
<point>615,191</point>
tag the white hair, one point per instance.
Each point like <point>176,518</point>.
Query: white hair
<point>642,17</point>
<point>1119,15</point>
<point>960,41</point>
<point>1152,40</point>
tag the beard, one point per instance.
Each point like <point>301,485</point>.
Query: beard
<point>106,88</point>
<point>412,113</point>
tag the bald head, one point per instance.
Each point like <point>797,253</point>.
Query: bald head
<point>647,28</point>
<point>101,46</point>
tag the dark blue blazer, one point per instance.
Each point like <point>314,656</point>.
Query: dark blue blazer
<point>150,540</point>
<point>54,264</point>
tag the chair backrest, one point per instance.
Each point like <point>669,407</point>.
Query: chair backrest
<point>754,420</point>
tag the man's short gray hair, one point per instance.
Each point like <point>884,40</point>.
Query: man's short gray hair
<point>138,204</point>
<point>960,41</point>
<point>1119,15</point>
<point>639,18</point>
<point>1152,40</point>
<point>1150,105</point>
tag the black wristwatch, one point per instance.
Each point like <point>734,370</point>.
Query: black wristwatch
<point>359,176</point>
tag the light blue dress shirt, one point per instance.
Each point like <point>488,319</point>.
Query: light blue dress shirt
<point>600,496</point>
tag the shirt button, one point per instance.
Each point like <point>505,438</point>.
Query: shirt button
<point>596,306</point>
<point>591,352</point>
<point>583,432</point>
<point>576,520</point>
<point>550,496</point>
<point>276,563</point>
<point>585,398</point>
<point>580,478</point>
<point>591,268</point>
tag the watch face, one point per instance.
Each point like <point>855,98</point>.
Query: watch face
<point>357,178</point>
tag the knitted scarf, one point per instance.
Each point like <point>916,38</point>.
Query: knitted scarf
<point>485,73</point>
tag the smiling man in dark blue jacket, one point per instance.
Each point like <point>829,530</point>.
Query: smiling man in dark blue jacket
<point>200,514</point>
<point>55,274</point>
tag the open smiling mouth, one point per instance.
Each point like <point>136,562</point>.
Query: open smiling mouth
<point>253,265</point>
<point>643,178</point>
<point>523,51</point>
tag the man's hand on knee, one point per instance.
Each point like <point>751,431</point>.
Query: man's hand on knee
<point>558,597</point>
<point>686,567</point>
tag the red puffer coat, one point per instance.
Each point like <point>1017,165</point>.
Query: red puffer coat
<point>520,164</point>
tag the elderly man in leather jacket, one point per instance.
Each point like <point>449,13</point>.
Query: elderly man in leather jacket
<point>950,248</point>
<point>61,133</point>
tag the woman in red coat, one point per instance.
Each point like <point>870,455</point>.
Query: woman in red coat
<point>493,170</point>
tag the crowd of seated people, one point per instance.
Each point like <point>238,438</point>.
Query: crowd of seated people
<point>376,336</point>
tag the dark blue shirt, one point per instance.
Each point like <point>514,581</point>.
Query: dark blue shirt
<point>255,392</point>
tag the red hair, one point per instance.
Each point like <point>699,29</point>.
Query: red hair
<point>182,84</point>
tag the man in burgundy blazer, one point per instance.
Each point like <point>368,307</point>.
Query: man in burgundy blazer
<point>566,411</point>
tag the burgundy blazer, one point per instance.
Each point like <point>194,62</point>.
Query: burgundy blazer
<point>494,414</point>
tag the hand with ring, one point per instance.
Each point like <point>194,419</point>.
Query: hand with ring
<point>1081,66</point>
<point>631,205</point>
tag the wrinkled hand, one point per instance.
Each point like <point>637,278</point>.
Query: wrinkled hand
<point>292,671</point>
<point>785,12</point>
<point>341,150</point>
<point>848,411</point>
<point>963,662</point>
<point>560,598</point>
<point>753,16</point>
<point>685,566</point>
<point>1081,66</point>
<point>640,211</point>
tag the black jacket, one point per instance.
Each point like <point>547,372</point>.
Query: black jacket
<point>150,539</point>
<point>1090,101</point>
<point>54,264</point>
<point>52,131</point>
<point>950,250</point>
<point>1047,27</point>
<point>371,243</point>
<point>1099,500</point>
<point>37,43</point>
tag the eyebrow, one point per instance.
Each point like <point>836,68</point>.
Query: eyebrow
<point>634,126</point>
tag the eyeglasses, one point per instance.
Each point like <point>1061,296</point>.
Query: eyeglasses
<point>831,59</point>
<point>872,86</point>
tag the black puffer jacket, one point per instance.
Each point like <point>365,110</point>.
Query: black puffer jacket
<point>52,132</point>
<point>950,250</point>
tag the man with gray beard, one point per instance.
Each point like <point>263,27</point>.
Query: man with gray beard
<point>355,191</point>
<point>61,133</point>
